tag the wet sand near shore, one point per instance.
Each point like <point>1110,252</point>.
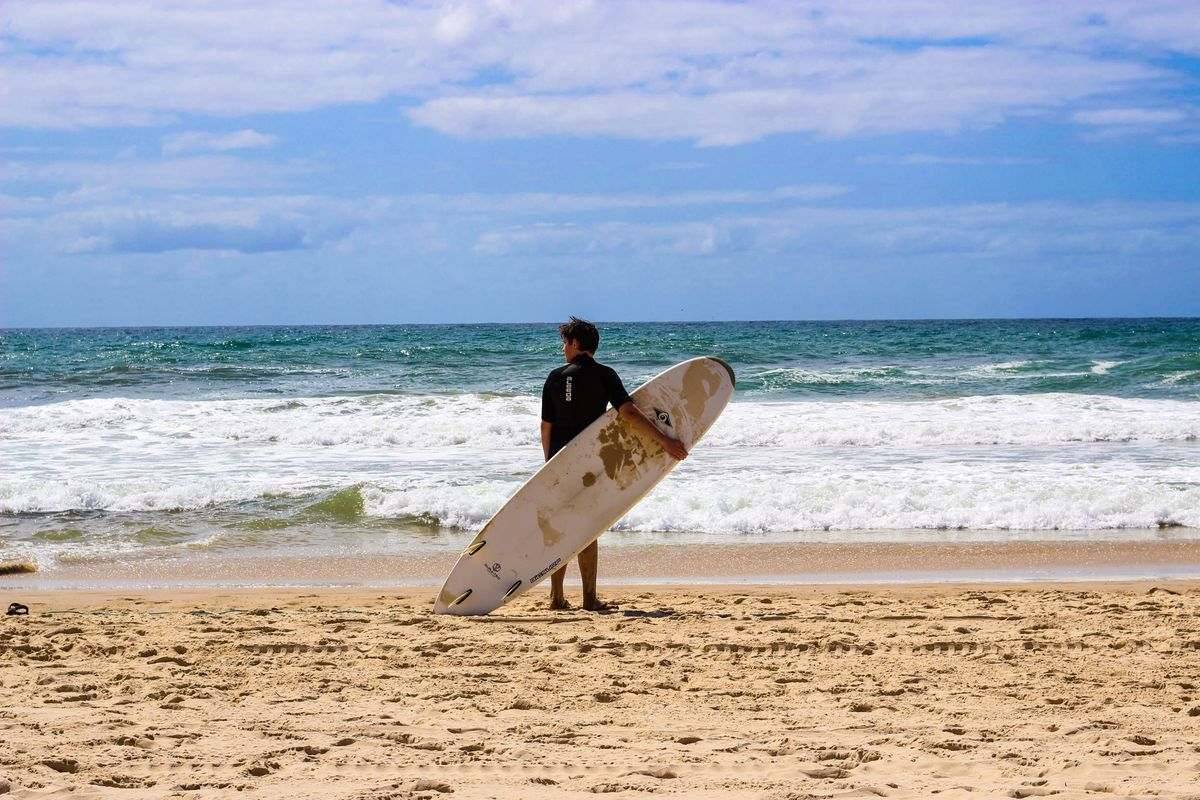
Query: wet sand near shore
<point>1174,556</point>
<point>987,690</point>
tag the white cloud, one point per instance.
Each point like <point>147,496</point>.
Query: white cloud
<point>1087,233</point>
<point>678,166</point>
<point>1185,138</point>
<point>155,207</point>
<point>555,204</point>
<point>1168,125</point>
<point>201,141</point>
<point>137,216</point>
<point>882,93</point>
<point>713,72</point>
<point>150,235</point>
<point>171,174</point>
<point>605,239</point>
<point>172,222</point>
<point>931,160</point>
<point>783,226</point>
<point>1129,116</point>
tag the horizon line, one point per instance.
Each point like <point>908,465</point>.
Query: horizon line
<point>598,321</point>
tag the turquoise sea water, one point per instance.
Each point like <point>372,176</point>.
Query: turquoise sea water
<point>1123,358</point>
<point>177,442</point>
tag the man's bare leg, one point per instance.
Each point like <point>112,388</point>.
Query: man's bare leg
<point>558,600</point>
<point>589,565</point>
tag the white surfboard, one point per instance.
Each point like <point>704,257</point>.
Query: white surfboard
<point>584,489</point>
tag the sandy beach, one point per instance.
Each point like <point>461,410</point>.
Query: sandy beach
<point>1079,690</point>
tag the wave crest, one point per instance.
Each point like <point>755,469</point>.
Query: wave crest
<point>485,421</point>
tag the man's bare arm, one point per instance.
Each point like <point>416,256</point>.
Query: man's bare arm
<point>673,446</point>
<point>546,440</point>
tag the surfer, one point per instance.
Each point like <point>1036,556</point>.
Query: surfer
<point>574,396</point>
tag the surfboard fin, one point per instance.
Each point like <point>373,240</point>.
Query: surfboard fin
<point>512,589</point>
<point>462,597</point>
<point>476,547</point>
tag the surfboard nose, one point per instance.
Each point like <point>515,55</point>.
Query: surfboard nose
<point>729,369</point>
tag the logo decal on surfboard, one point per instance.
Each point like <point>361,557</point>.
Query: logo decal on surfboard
<point>494,569</point>
<point>549,567</point>
<point>663,417</point>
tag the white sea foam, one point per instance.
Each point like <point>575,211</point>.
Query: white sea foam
<point>1041,462</point>
<point>395,420</point>
<point>1174,378</point>
<point>736,499</point>
<point>834,376</point>
<point>922,496</point>
<point>991,370</point>
<point>758,502</point>
<point>418,422</point>
<point>928,496</point>
<point>1036,420</point>
<point>176,492</point>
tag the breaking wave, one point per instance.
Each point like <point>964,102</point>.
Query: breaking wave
<point>1027,462</point>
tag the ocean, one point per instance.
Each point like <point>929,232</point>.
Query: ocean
<point>166,443</point>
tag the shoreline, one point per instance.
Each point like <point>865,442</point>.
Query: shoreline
<point>796,564</point>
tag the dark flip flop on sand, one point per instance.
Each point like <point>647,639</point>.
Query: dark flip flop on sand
<point>17,609</point>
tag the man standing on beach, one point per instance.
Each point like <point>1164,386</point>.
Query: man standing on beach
<point>575,396</point>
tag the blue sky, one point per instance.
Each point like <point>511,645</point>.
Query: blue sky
<point>374,162</point>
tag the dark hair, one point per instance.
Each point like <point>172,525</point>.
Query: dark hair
<point>582,332</point>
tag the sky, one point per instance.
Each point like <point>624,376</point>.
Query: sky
<point>181,163</point>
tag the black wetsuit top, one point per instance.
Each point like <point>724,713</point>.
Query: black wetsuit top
<point>575,395</point>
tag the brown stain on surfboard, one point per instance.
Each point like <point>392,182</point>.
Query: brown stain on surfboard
<point>700,383</point>
<point>589,479</point>
<point>550,534</point>
<point>622,452</point>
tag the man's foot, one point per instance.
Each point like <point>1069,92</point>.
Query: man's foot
<point>595,604</point>
<point>559,604</point>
